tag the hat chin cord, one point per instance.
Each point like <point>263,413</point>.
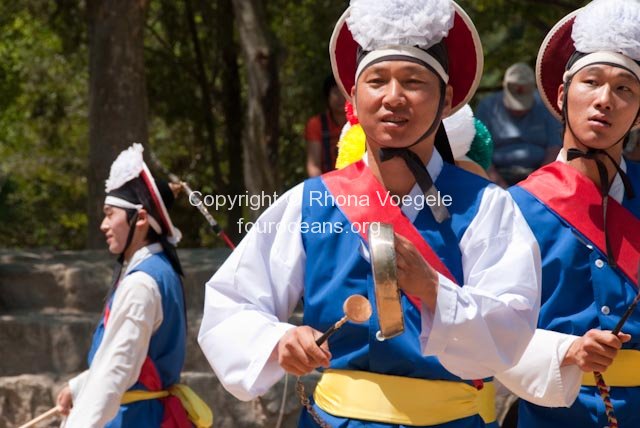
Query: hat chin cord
<point>415,164</point>
<point>117,270</point>
<point>595,155</point>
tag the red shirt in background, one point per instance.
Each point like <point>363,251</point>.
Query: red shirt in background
<point>313,134</point>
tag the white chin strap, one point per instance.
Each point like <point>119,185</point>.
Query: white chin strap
<point>603,57</point>
<point>406,51</point>
<point>121,203</point>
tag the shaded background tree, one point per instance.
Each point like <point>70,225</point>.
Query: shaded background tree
<point>197,98</point>
<point>43,125</point>
<point>117,94</point>
<point>512,31</point>
<point>260,139</point>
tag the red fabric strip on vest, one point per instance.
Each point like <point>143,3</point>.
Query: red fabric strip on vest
<point>174,414</point>
<point>357,181</point>
<point>149,376</point>
<point>576,199</point>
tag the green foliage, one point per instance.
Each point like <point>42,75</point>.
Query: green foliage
<point>43,131</point>
<point>178,130</point>
<point>303,29</point>
<point>512,31</point>
<point>44,107</point>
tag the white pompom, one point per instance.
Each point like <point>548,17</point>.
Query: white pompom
<point>127,166</point>
<point>378,23</point>
<point>608,25</point>
<point>461,130</point>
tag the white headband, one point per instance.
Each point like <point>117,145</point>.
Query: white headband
<point>407,51</point>
<point>603,57</point>
<point>121,203</point>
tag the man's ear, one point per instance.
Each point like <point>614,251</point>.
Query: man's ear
<point>143,218</point>
<point>448,97</point>
<point>560,100</point>
<point>353,100</point>
<point>636,123</point>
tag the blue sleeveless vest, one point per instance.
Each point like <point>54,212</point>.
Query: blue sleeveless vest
<point>166,348</point>
<point>336,269</point>
<point>580,291</point>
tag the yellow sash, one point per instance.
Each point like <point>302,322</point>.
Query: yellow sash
<point>401,400</point>
<point>624,371</point>
<point>197,410</point>
<point>141,395</point>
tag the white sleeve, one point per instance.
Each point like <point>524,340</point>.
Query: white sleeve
<point>483,327</point>
<point>136,313</point>
<point>76,383</point>
<point>538,377</point>
<point>250,298</point>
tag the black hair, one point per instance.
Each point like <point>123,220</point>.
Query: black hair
<point>328,84</point>
<point>136,192</point>
<point>575,56</point>
<point>438,51</point>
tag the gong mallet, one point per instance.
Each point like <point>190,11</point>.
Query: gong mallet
<point>194,196</point>
<point>356,309</point>
<point>603,388</point>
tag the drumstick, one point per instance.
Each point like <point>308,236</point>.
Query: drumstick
<point>46,415</point>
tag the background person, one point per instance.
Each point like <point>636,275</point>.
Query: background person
<point>322,131</point>
<point>525,135</point>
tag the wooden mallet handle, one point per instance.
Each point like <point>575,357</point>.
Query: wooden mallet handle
<point>46,415</point>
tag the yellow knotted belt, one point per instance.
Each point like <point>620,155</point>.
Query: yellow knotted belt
<point>197,410</point>
<point>624,371</point>
<point>401,400</point>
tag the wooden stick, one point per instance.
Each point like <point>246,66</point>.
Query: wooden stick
<point>46,415</point>
<point>331,330</point>
<point>603,389</point>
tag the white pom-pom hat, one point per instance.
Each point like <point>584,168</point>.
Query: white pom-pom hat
<point>395,27</point>
<point>607,31</point>
<point>461,130</point>
<point>128,166</point>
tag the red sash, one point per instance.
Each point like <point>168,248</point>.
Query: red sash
<point>577,200</point>
<point>174,415</point>
<point>357,181</point>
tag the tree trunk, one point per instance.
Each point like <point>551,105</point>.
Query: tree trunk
<point>117,93</point>
<point>207,102</point>
<point>232,108</point>
<point>260,142</point>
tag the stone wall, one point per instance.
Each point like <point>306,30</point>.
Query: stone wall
<point>50,303</point>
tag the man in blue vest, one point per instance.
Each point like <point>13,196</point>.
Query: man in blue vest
<point>140,342</point>
<point>469,265</point>
<point>585,214</point>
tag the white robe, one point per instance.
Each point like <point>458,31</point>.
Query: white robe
<point>136,314</point>
<point>477,330</point>
<point>538,377</point>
